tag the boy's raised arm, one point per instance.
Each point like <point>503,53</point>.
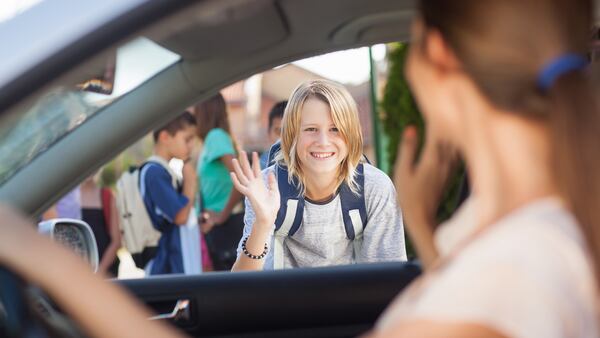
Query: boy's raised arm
<point>190,186</point>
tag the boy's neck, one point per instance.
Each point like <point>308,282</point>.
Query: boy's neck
<point>162,153</point>
<point>318,189</point>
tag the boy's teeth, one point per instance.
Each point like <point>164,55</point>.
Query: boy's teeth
<point>322,155</point>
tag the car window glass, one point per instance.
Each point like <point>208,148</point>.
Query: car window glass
<point>248,105</point>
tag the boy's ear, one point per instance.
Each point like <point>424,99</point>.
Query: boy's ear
<point>163,136</point>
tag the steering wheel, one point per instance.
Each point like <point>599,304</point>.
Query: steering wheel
<point>15,317</point>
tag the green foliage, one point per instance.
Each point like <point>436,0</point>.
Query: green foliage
<point>108,175</point>
<point>132,156</point>
<point>399,110</point>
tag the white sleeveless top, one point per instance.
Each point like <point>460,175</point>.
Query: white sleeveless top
<point>526,276</point>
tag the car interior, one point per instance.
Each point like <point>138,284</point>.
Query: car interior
<point>220,42</point>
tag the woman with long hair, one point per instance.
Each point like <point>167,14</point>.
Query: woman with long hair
<point>506,84</point>
<point>221,204</point>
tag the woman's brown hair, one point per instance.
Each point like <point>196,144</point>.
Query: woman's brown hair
<point>503,45</point>
<point>211,113</point>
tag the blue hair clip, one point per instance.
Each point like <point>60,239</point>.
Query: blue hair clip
<point>558,67</point>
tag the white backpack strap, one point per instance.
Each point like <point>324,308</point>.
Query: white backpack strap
<point>357,225</point>
<point>161,161</point>
<point>283,232</point>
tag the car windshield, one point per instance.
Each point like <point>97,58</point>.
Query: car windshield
<point>61,109</point>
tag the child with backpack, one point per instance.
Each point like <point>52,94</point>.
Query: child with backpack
<point>169,207</point>
<point>319,204</point>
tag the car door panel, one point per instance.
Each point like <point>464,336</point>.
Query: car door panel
<point>317,302</point>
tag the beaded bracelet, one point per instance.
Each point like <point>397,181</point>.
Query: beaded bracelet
<point>249,255</point>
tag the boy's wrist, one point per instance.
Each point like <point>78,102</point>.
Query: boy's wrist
<point>262,229</point>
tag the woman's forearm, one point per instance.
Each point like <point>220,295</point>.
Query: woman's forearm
<point>234,198</point>
<point>107,311</point>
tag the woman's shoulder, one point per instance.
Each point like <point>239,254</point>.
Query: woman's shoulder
<point>547,220</point>
<point>530,264</point>
<point>539,244</point>
<point>217,133</point>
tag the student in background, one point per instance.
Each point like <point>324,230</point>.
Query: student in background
<point>168,201</point>
<point>99,211</point>
<point>69,206</point>
<point>274,131</point>
<point>221,204</point>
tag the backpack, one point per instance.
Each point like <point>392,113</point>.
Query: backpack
<point>289,216</point>
<point>140,237</point>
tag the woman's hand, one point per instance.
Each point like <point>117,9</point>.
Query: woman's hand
<point>420,187</point>
<point>248,180</point>
<point>209,219</point>
<point>205,223</point>
<point>218,218</point>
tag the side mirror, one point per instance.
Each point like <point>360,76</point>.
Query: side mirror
<point>74,234</point>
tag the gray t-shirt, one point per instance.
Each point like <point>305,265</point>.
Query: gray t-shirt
<point>321,239</point>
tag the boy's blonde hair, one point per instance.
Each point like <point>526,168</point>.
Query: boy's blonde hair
<point>344,114</point>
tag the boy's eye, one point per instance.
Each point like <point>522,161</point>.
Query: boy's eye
<point>334,129</point>
<point>310,129</point>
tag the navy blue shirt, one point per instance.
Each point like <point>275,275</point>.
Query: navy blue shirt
<point>163,202</point>
<point>264,158</point>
